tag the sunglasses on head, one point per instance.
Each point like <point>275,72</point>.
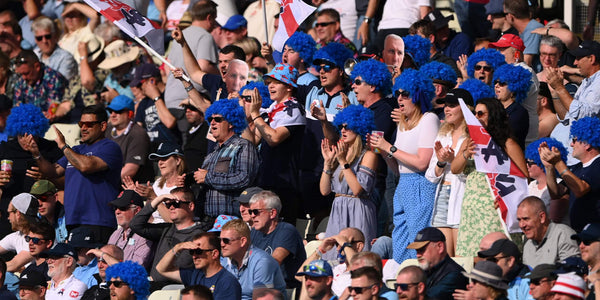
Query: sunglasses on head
<point>88,123</point>
<point>33,239</point>
<point>359,289</point>
<point>199,251</point>
<point>404,286</point>
<point>326,68</point>
<point>116,283</point>
<point>500,83</point>
<point>358,81</point>
<point>480,113</point>
<point>226,241</point>
<point>485,68</point>
<point>174,203</point>
<point>39,38</point>
<point>324,24</point>
<point>216,119</point>
<point>256,211</point>
<point>403,94</point>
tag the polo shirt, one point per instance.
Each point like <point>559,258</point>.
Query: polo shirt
<point>554,247</point>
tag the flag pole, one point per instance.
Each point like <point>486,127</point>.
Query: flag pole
<point>265,18</point>
<point>160,57</point>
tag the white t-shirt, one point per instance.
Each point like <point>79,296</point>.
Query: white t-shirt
<point>348,15</point>
<point>160,191</point>
<point>422,136</point>
<point>15,242</point>
<point>401,13</point>
<point>70,288</point>
<point>175,12</point>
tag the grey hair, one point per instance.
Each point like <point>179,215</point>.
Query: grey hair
<point>270,199</point>
<point>553,41</point>
<point>393,37</point>
<point>43,23</point>
<point>560,22</point>
<point>108,32</point>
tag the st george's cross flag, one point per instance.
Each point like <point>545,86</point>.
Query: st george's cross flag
<point>131,22</point>
<point>507,183</point>
<point>293,13</point>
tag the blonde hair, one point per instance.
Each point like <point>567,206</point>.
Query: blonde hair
<point>411,121</point>
<point>239,226</point>
<point>181,168</point>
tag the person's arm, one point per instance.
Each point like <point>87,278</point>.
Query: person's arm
<point>90,13</point>
<point>528,59</point>
<point>466,151</point>
<point>565,35</point>
<point>167,265</point>
<point>363,30</point>
<point>279,254</point>
<point>85,164</point>
<point>588,33</point>
<point>329,152</point>
<point>196,98</point>
<point>273,136</point>
<point>515,153</point>
<point>47,168</point>
<point>419,161</point>
<point>192,65</point>
<point>86,74</point>
<point>165,116</point>
<point>20,260</point>
<point>129,169</point>
<point>161,6</point>
<point>110,260</point>
<point>424,10</point>
<point>369,161</point>
<point>139,224</point>
<point>32,9</point>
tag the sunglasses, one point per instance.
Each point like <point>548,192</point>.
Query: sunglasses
<point>480,113</point>
<point>403,94</point>
<point>574,140</point>
<point>538,281</point>
<point>495,259</point>
<point>256,211</point>
<point>325,68</point>
<point>359,289</point>
<point>175,203</point>
<point>116,111</point>
<point>43,198</point>
<point>116,283</point>
<point>587,242</point>
<point>124,208</point>
<point>88,123</point>
<point>216,119</point>
<point>324,24</point>
<point>485,68</point>
<point>530,162</point>
<point>500,83</point>
<point>343,126</point>
<point>314,268</point>
<point>404,286</point>
<point>39,38</point>
<point>199,251</point>
<point>451,105</point>
<point>226,241</point>
<point>358,81</point>
<point>35,240</point>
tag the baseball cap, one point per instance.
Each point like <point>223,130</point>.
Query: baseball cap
<point>426,235</point>
<point>165,150</point>
<point>144,71</point>
<point>220,221</point>
<point>586,48</point>
<point>494,7</point>
<point>591,232</point>
<point>248,193</point>
<point>126,198</point>
<point>438,20</point>
<point>569,284</point>
<point>26,203</point>
<point>504,246</point>
<point>121,102</point>
<point>572,264</point>
<point>454,94</point>
<point>542,271</point>
<point>58,250</point>
<point>316,268</point>
<point>32,278</point>
<point>509,40</point>
<point>43,186</point>
<point>235,22</point>
<point>81,238</point>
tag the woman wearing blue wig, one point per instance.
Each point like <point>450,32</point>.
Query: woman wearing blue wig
<point>409,156</point>
<point>349,171</point>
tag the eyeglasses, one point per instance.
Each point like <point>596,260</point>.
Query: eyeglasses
<point>359,289</point>
<point>216,119</point>
<point>480,113</point>
<point>88,123</point>
<point>530,162</point>
<point>485,68</point>
<point>256,211</point>
<point>404,286</point>
<point>343,126</point>
<point>324,24</point>
<point>116,283</point>
<point>499,15</point>
<point>500,83</point>
<point>35,240</point>
<point>538,281</point>
<point>326,68</point>
<point>199,251</point>
<point>403,94</point>
<point>175,203</point>
<point>226,241</point>
<point>495,259</point>
<point>39,38</point>
<point>358,81</point>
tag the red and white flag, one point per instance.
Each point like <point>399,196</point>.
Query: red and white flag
<point>507,183</point>
<point>293,13</point>
<point>131,22</point>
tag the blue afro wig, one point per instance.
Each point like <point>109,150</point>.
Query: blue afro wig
<point>518,79</point>
<point>492,57</point>
<point>304,44</point>
<point>26,118</point>
<point>358,118</point>
<point>440,71</point>
<point>374,73</point>
<point>231,110</point>
<point>262,89</point>
<point>418,47</point>
<point>419,86</point>
<point>333,53</point>
<point>531,152</point>
<point>134,274</point>
<point>478,89</point>
<point>587,130</point>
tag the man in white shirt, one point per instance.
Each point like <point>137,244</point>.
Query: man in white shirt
<point>62,261</point>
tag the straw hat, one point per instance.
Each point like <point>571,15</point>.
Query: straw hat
<point>95,46</point>
<point>118,53</point>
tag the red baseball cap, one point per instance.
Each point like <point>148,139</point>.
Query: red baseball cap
<point>509,40</point>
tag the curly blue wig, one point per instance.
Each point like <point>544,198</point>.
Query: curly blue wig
<point>419,86</point>
<point>492,57</point>
<point>374,73</point>
<point>231,110</point>
<point>134,274</point>
<point>518,79</point>
<point>418,47</point>
<point>587,130</point>
<point>26,118</point>
<point>333,53</point>
<point>304,44</point>
<point>358,118</point>
<point>440,71</point>
<point>478,89</point>
<point>262,89</point>
<point>531,152</point>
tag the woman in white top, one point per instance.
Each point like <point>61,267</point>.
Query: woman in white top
<point>80,20</point>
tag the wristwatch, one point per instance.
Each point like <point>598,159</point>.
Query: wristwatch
<point>189,88</point>
<point>346,166</point>
<point>156,99</point>
<point>368,20</point>
<point>392,150</point>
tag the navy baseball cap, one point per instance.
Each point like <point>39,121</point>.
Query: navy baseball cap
<point>235,22</point>
<point>586,48</point>
<point>144,71</point>
<point>59,250</point>
<point>504,246</point>
<point>572,264</point>
<point>591,232</point>
<point>165,150</point>
<point>426,235</point>
<point>316,268</point>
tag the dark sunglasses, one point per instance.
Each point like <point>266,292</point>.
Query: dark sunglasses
<point>404,94</point>
<point>325,68</point>
<point>498,15</point>
<point>480,113</point>
<point>43,198</point>
<point>587,242</point>
<point>343,126</point>
<point>500,83</point>
<point>199,251</point>
<point>538,281</point>
<point>88,124</point>
<point>574,140</point>
<point>359,289</point>
<point>495,259</point>
<point>33,239</point>
<point>226,241</point>
<point>39,38</point>
<point>485,68</point>
<point>175,203</point>
<point>124,208</point>
<point>530,162</point>
<point>116,283</point>
<point>216,119</point>
<point>404,286</point>
<point>451,105</point>
<point>358,81</point>
<point>116,111</point>
<point>256,211</point>
<point>324,24</point>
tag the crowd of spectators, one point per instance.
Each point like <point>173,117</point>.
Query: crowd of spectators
<point>121,177</point>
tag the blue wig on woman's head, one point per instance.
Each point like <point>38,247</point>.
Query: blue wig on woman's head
<point>587,130</point>
<point>263,90</point>
<point>440,71</point>
<point>492,57</point>
<point>358,118</point>
<point>418,47</point>
<point>304,44</point>
<point>134,275</point>
<point>374,73</point>
<point>531,152</point>
<point>332,53</point>
<point>26,118</point>
<point>231,110</point>
<point>478,89</point>
<point>518,79</point>
<point>419,86</point>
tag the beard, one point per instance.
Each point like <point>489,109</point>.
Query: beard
<point>425,265</point>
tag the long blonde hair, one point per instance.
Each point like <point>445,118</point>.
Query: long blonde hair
<point>411,121</point>
<point>181,168</point>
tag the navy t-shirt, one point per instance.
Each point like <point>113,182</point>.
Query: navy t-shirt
<point>223,285</point>
<point>518,119</point>
<point>213,83</point>
<point>586,209</point>
<point>147,115</point>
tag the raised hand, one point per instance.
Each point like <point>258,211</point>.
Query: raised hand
<point>328,152</point>
<point>318,111</point>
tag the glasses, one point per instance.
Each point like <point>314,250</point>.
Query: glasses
<point>39,38</point>
<point>574,140</point>
<point>175,203</point>
<point>216,119</point>
<point>117,111</point>
<point>343,126</point>
<point>545,54</point>
<point>485,68</point>
<point>480,113</point>
<point>403,94</point>
<point>324,24</point>
<point>538,281</point>
<point>35,240</point>
<point>125,208</point>
<point>199,251</point>
<point>325,68</point>
<point>498,15</point>
<point>587,242</point>
<point>530,162</point>
<point>314,268</point>
<point>500,83</point>
<point>358,81</point>
<point>44,198</point>
<point>226,241</point>
<point>88,123</point>
<point>404,286</point>
<point>256,211</point>
<point>359,289</point>
<point>116,283</point>
<point>495,259</point>
<point>451,105</point>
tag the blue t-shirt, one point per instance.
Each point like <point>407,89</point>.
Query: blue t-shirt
<point>87,195</point>
<point>223,285</point>
<point>586,209</point>
<point>86,273</point>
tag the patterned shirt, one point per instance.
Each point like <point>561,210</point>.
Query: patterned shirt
<point>49,89</point>
<point>232,167</point>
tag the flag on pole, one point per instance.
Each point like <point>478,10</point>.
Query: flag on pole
<point>507,183</point>
<point>293,13</point>
<point>131,22</point>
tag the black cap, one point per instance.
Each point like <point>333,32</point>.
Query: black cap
<point>542,271</point>
<point>80,237</point>
<point>426,235</point>
<point>504,246</point>
<point>32,278</point>
<point>59,250</point>
<point>248,193</point>
<point>165,150</point>
<point>126,198</point>
<point>591,232</point>
<point>586,48</point>
<point>454,94</point>
<point>438,20</point>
